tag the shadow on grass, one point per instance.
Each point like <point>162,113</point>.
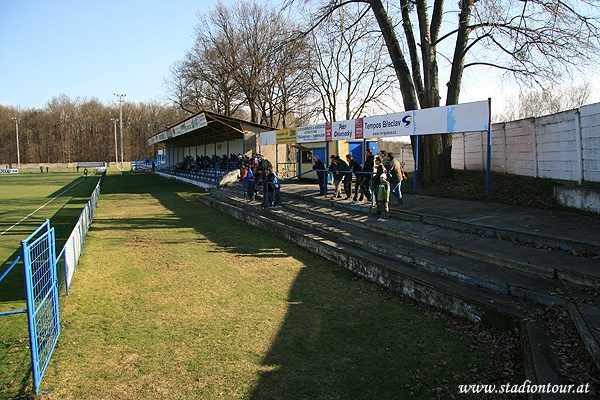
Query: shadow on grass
<point>13,328</point>
<point>342,338</point>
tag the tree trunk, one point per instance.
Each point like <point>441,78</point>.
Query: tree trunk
<point>434,150</point>
<point>407,88</point>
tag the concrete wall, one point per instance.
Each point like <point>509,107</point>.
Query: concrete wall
<point>401,151</point>
<point>562,146</point>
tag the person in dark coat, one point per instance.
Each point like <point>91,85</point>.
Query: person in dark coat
<point>365,182</point>
<point>355,168</point>
<point>343,175</point>
<point>396,174</point>
<point>320,167</point>
<point>379,170</point>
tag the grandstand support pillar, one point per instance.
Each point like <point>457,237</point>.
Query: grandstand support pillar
<point>227,153</point>
<point>276,158</point>
<point>243,144</point>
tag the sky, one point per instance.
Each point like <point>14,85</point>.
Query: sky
<point>93,49</point>
<point>88,48</point>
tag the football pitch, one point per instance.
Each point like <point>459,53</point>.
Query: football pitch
<point>26,201</point>
<point>174,300</point>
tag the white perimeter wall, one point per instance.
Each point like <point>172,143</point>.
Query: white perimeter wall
<point>560,146</point>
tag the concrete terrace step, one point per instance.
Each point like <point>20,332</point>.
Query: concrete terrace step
<point>562,230</point>
<point>444,291</point>
<point>469,243</point>
<point>437,256</point>
<point>522,272</point>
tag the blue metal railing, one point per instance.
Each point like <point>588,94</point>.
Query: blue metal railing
<point>304,173</point>
<point>3,276</point>
<point>206,174</point>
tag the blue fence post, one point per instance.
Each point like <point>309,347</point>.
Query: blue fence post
<point>416,162</point>
<point>30,318</point>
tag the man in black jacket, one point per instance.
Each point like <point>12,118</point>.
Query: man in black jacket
<point>365,179</point>
<point>320,167</point>
<point>355,168</point>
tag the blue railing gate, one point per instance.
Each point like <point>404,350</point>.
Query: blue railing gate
<point>41,285</point>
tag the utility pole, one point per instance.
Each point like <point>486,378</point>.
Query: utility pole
<point>114,120</point>
<point>120,99</point>
<point>17,120</point>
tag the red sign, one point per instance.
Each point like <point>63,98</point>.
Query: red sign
<point>328,131</point>
<point>358,129</point>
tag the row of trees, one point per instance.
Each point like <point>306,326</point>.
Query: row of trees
<point>253,61</point>
<point>334,59</point>
<point>68,130</point>
<point>350,56</point>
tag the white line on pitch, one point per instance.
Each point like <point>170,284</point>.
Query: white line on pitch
<point>50,201</point>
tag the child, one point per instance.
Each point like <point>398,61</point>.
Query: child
<point>383,197</point>
<point>248,177</point>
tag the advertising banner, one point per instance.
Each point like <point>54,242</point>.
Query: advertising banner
<point>342,130</point>
<point>313,133</point>
<point>286,136</point>
<point>267,138</point>
<point>467,117</point>
<point>389,125</point>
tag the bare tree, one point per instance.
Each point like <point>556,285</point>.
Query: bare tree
<point>351,73</point>
<point>533,40</point>
<point>538,102</point>
<point>69,130</point>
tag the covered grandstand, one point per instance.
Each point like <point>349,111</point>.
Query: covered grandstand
<point>207,145</point>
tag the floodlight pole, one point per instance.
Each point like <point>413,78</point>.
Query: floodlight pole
<point>114,120</point>
<point>17,120</point>
<point>120,99</point>
<point>489,149</point>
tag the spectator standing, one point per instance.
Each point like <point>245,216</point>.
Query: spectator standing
<point>365,182</point>
<point>383,198</point>
<point>337,177</point>
<point>355,168</point>
<point>248,177</point>
<point>344,169</point>
<point>384,160</point>
<point>396,176</point>
<point>273,192</point>
<point>379,170</point>
<point>265,164</point>
<point>320,167</point>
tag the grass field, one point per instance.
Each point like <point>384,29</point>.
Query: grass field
<point>173,300</point>
<point>21,195</point>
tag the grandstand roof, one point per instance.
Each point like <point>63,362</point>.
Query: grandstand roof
<point>207,127</point>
